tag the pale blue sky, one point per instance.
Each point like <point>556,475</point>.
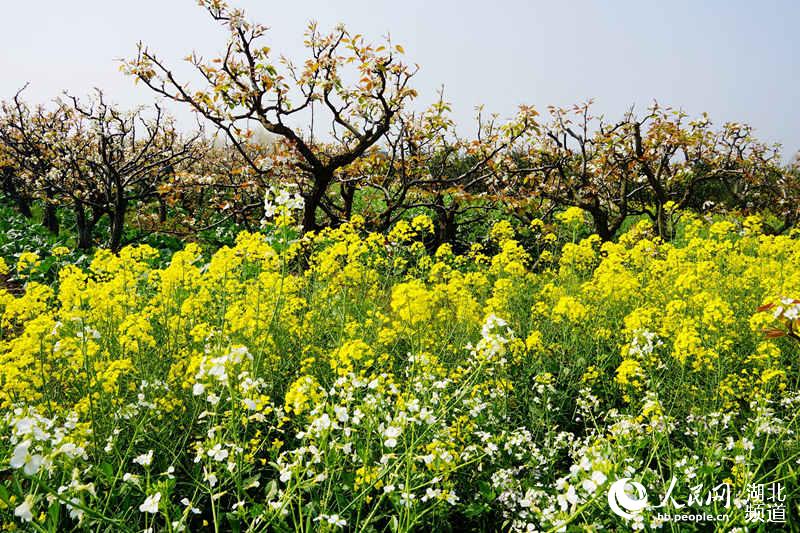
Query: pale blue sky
<point>735,59</point>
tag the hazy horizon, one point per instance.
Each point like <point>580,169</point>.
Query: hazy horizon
<point>735,60</point>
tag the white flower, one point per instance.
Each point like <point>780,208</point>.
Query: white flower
<point>568,499</point>
<point>297,202</point>
<point>218,369</point>
<point>186,503</point>
<point>218,453</point>
<point>276,198</point>
<point>282,198</point>
<point>431,494</point>
<point>407,498</point>
<point>492,322</point>
<point>198,389</point>
<point>145,459</point>
<point>25,425</point>
<point>341,413</point>
<point>321,424</point>
<point>427,416</point>
<point>23,510</point>
<point>30,463</point>
<point>333,519</point>
<point>237,353</point>
<point>150,504</point>
<point>572,496</point>
<point>74,512</point>
<point>792,313</point>
<point>589,486</point>
<point>391,433</point>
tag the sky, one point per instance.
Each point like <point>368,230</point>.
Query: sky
<point>738,60</point>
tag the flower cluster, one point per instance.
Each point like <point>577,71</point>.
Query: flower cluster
<point>348,380</point>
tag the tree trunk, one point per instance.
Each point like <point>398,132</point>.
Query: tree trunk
<point>24,206</point>
<point>601,226</point>
<point>22,201</point>
<point>348,193</point>
<point>162,210</point>
<point>445,226</point>
<point>50,216</point>
<point>84,226</point>
<point>787,223</point>
<point>97,214</point>
<point>117,223</point>
<point>321,181</point>
<point>662,223</point>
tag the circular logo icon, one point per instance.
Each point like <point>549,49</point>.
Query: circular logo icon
<point>622,502</point>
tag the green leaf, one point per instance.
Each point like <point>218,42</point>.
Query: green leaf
<point>234,523</point>
<point>52,514</point>
<point>106,469</point>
